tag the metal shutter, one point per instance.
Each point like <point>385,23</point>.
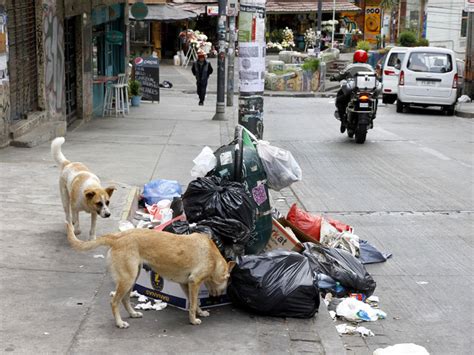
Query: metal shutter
<point>22,57</point>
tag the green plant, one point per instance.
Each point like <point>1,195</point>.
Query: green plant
<point>134,87</point>
<point>407,39</point>
<point>311,64</point>
<point>388,4</point>
<point>364,45</point>
<point>423,42</point>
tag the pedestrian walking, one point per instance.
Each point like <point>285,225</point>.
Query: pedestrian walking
<point>201,69</point>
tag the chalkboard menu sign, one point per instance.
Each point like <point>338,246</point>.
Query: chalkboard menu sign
<point>147,72</point>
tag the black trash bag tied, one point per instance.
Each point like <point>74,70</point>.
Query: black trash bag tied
<point>213,196</point>
<point>278,283</point>
<point>342,267</point>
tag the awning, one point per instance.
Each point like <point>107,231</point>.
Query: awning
<point>196,8</point>
<point>165,12</point>
<point>287,7</point>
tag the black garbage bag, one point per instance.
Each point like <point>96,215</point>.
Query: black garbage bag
<point>177,206</point>
<point>342,266</point>
<point>278,283</point>
<point>213,196</point>
<point>228,230</point>
<point>183,227</point>
<point>370,254</point>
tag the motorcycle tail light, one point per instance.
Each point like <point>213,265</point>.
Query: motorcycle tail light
<point>363,98</point>
<point>455,81</point>
<point>402,78</point>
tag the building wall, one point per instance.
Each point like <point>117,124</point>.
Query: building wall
<point>443,25</point>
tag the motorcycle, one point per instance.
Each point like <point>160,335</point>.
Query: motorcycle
<point>361,109</point>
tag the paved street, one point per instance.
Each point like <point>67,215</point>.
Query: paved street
<point>408,190</point>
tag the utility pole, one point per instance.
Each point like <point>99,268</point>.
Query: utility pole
<point>252,49</point>
<point>469,74</point>
<point>220,104</point>
<point>231,52</point>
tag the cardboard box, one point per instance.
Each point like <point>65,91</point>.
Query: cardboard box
<point>281,239</point>
<point>302,236</point>
<point>152,285</point>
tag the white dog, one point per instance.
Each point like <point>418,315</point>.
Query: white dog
<point>80,190</point>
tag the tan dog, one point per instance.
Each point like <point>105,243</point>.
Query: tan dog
<point>80,190</point>
<point>189,260</point>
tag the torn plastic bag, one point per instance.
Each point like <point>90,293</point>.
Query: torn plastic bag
<point>213,196</point>
<point>203,163</point>
<point>161,189</point>
<point>342,267</point>
<point>280,166</point>
<point>370,254</point>
<point>333,238</point>
<point>183,227</point>
<point>311,224</point>
<point>277,283</point>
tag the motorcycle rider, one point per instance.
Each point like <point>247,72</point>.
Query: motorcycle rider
<point>344,94</point>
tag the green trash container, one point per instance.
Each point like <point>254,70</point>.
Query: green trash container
<point>240,162</point>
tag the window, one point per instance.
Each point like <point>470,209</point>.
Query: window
<point>464,24</point>
<point>139,32</point>
<point>430,62</point>
<point>395,58</point>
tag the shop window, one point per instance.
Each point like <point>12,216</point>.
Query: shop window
<point>464,24</point>
<point>140,32</point>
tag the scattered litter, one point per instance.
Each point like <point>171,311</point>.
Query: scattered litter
<point>157,306</point>
<point>81,266</point>
<point>161,189</point>
<point>332,314</point>
<point>142,298</point>
<point>349,329</point>
<point>373,301</point>
<point>203,163</point>
<point>139,215</point>
<point>331,237</point>
<point>422,282</point>
<point>46,333</point>
<point>370,254</point>
<point>402,349</point>
<point>464,99</point>
<point>99,256</point>
<point>134,294</point>
<point>125,226</point>
<point>355,311</point>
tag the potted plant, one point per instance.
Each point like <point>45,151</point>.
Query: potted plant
<point>135,92</point>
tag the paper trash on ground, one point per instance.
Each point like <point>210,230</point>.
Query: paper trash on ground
<point>157,306</point>
<point>402,349</point>
<point>355,311</point>
<point>349,329</point>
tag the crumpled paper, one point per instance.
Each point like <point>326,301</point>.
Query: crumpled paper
<point>157,306</point>
<point>349,329</point>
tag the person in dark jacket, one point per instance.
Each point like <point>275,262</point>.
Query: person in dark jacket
<point>201,69</point>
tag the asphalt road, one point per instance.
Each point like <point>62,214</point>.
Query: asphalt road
<point>408,190</point>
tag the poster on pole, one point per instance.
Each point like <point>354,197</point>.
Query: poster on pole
<point>252,21</point>
<point>469,6</point>
<point>372,25</point>
<point>252,67</point>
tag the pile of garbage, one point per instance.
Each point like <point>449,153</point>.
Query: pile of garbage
<point>284,264</point>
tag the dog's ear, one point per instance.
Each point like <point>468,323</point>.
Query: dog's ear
<point>110,190</point>
<point>230,266</point>
<point>89,193</point>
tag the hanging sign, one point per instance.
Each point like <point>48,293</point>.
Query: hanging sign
<point>114,37</point>
<point>212,10</point>
<point>147,72</point>
<point>139,11</point>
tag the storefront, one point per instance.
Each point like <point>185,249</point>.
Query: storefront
<point>108,49</point>
<point>300,16</point>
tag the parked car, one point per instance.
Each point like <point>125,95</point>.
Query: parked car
<point>461,68</point>
<point>428,77</point>
<point>390,74</point>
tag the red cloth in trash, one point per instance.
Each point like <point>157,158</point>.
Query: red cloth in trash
<point>311,224</point>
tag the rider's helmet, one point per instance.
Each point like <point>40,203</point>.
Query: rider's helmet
<point>360,56</point>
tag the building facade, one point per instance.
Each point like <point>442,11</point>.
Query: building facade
<point>58,52</point>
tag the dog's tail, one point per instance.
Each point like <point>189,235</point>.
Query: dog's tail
<point>80,245</point>
<point>56,152</point>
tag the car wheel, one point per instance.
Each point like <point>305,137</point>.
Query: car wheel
<point>400,106</point>
<point>449,110</point>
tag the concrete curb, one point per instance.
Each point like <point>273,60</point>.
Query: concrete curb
<point>464,114</point>
<point>280,94</point>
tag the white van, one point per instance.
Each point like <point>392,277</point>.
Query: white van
<point>390,74</point>
<point>428,77</point>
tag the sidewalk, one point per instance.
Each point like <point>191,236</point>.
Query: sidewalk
<point>57,300</point>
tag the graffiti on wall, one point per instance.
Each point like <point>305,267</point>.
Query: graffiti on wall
<point>54,57</point>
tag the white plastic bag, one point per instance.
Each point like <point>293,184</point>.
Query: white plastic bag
<point>355,311</point>
<point>279,164</point>
<point>332,238</point>
<point>204,162</point>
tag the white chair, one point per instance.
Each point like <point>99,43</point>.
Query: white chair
<point>116,97</point>
<point>121,88</point>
